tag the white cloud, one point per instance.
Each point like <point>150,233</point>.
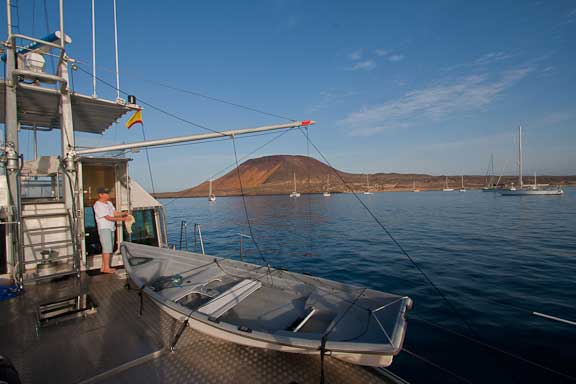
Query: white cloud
<point>395,58</point>
<point>366,65</point>
<point>492,57</point>
<point>328,98</point>
<point>433,102</point>
<point>356,55</point>
<point>380,52</point>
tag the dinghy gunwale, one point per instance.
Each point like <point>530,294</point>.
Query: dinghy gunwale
<point>283,339</point>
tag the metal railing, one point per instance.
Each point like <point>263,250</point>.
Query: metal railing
<point>197,237</point>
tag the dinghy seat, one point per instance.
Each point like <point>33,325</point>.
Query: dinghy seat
<point>229,299</point>
<point>195,283</point>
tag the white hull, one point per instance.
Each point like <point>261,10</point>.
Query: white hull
<point>295,194</point>
<point>326,194</point>
<point>448,190</point>
<point>532,192</point>
<point>266,308</point>
<point>211,198</point>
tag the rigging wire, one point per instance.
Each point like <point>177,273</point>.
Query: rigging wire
<point>245,206</point>
<point>391,236</point>
<point>475,339</point>
<point>403,251</point>
<point>431,363</point>
<point>200,94</point>
<point>161,110</point>
<point>495,348</point>
<point>148,160</point>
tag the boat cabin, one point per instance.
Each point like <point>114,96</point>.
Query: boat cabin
<point>47,224</point>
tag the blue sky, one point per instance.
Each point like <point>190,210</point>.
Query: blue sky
<point>416,86</point>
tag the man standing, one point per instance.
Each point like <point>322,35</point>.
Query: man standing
<point>106,218</point>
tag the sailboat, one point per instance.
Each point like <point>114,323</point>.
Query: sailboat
<point>327,191</point>
<point>525,190</point>
<point>211,196</point>
<point>414,186</point>
<point>367,192</point>
<point>462,189</point>
<point>294,192</point>
<point>446,189</point>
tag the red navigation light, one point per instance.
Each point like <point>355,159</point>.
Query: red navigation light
<point>306,122</point>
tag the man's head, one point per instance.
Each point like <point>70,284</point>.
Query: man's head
<point>103,193</point>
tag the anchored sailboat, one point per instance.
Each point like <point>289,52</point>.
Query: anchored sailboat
<point>327,191</point>
<point>294,192</point>
<point>211,196</point>
<point>446,189</point>
<point>525,190</point>
<point>367,192</point>
<point>462,189</point>
<point>414,189</point>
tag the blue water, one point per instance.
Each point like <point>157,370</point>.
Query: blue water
<point>476,247</point>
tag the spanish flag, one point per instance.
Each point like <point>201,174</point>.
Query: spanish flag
<point>135,119</point>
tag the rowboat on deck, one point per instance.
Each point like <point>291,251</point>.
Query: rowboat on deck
<point>260,306</point>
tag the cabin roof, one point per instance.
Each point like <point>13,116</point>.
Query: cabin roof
<point>40,106</point>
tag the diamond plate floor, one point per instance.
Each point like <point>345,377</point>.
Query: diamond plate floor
<point>90,350</point>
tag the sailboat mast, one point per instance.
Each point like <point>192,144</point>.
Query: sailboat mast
<point>294,181</point>
<point>520,156</point>
<point>210,188</point>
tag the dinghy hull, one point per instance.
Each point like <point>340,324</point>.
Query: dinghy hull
<point>268,308</point>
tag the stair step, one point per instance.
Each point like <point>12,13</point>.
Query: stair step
<point>46,228</point>
<point>39,214</point>
<point>48,259</point>
<point>49,243</point>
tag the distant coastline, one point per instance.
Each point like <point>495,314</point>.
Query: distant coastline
<point>274,175</point>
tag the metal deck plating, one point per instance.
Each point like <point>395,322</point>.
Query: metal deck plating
<point>115,345</point>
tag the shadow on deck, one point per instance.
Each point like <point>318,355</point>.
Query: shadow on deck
<point>115,345</point>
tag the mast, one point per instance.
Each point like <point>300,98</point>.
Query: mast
<point>12,166</point>
<point>210,187</point>
<point>520,156</point>
<point>462,181</point>
<point>294,181</point>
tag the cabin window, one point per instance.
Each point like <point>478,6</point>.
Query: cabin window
<point>144,230</point>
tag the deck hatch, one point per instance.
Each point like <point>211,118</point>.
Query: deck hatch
<point>65,309</point>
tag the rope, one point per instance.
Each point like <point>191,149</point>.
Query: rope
<point>462,379</point>
<point>148,160</point>
<point>244,202</point>
<point>497,349</point>
<point>163,111</point>
<point>198,94</point>
<point>400,247</point>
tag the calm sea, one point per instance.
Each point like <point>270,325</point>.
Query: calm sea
<point>495,258</point>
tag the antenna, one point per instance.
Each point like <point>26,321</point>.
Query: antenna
<point>94,51</point>
<point>116,49</point>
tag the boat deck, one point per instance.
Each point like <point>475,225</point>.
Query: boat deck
<point>116,345</point>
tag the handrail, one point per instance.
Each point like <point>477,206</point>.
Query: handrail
<point>39,41</point>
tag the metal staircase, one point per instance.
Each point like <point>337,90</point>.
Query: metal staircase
<point>49,244</point>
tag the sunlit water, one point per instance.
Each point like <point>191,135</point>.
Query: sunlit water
<point>475,247</point>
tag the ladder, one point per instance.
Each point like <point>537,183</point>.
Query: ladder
<point>49,246</point>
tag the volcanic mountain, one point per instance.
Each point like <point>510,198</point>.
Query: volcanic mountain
<point>275,175</point>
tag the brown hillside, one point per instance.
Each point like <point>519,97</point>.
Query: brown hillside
<point>274,175</point>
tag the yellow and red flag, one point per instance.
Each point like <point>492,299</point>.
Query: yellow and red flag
<point>135,119</point>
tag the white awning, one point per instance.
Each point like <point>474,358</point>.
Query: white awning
<point>140,198</point>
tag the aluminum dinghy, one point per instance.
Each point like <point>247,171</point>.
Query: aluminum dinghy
<point>260,306</point>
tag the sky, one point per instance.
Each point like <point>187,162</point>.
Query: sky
<point>412,86</point>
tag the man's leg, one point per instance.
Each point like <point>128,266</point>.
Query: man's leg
<point>105,263</point>
<point>106,240</point>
